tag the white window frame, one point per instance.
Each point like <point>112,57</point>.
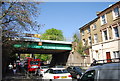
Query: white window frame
<point>89,40</point>
<point>116,54</point>
<point>103,35</point>
<point>113,11</point>
<point>102,19</point>
<point>94,26</point>
<point>95,38</point>
<point>114,35</point>
<point>83,32</point>
<point>88,29</point>
<point>84,42</point>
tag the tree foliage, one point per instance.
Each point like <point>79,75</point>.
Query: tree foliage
<point>17,18</point>
<point>75,38</point>
<point>78,45</point>
<point>43,57</point>
<point>53,34</point>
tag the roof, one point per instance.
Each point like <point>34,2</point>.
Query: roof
<point>105,66</point>
<point>98,16</point>
<point>39,40</point>
<point>57,68</point>
<point>89,23</point>
<point>109,7</point>
<point>53,41</point>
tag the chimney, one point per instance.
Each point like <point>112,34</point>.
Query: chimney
<point>97,13</point>
<point>110,5</point>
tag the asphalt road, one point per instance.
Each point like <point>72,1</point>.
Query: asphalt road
<point>23,77</point>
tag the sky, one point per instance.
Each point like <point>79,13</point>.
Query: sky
<point>68,16</point>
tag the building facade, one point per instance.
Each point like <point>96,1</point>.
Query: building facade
<point>102,35</point>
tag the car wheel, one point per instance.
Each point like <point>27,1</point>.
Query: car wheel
<point>50,79</point>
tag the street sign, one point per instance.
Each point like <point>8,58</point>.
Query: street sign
<point>40,43</point>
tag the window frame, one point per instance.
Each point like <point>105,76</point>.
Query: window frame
<point>114,12</point>
<point>95,38</point>
<point>84,42</point>
<point>116,54</point>
<point>83,32</point>
<point>82,78</point>
<point>105,33</point>
<point>89,40</point>
<point>103,21</point>
<point>94,26</point>
<point>88,29</point>
<point>114,32</point>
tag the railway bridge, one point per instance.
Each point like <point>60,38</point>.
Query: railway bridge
<point>60,50</point>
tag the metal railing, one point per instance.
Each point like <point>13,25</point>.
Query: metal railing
<point>82,65</point>
<point>106,61</point>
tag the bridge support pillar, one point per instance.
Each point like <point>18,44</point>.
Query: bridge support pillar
<point>18,57</point>
<point>31,55</point>
<point>60,59</point>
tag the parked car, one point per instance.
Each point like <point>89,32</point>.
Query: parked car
<point>75,71</point>
<point>102,72</point>
<point>43,69</point>
<point>57,73</point>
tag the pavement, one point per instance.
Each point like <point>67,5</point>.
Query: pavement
<point>20,76</point>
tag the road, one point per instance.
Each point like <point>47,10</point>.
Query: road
<point>23,77</point>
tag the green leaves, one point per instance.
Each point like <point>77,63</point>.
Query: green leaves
<point>18,17</point>
<point>75,37</point>
<point>43,57</point>
<point>53,34</point>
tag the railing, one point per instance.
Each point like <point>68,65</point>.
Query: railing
<point>98,62</point>
<point>83,65</point>
<point>79,64</point>
<point>106,61</point>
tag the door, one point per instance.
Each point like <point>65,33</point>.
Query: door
<point>88,76</point>
<point>108,56</point>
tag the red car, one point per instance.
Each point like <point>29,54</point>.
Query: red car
<point>33,64</point>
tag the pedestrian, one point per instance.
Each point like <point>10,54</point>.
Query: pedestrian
<point>14,69</point>
<point>94,62</point>
<point>10,66</point>
<point>22,67</point>
<point>37,71</point>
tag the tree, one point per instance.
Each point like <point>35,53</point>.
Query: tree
<point>75,38</point>
<point>43,57</point>
<point>17,18</point>
<point>53,34</point>
<point>78,45</point>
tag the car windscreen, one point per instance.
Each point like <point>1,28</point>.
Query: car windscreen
<point>60,71</point>
<point>44,67</point>
<point>78,69</point>
<point>34,62</point>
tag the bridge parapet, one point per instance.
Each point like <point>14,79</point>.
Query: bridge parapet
<point>46,44</point>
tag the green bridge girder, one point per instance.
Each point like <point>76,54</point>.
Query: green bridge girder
<point>44,45</point>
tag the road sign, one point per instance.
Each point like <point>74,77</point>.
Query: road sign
<point>40,43</point>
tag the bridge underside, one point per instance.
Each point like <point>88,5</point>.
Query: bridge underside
<point>59,57</point>
<point>60,50</point>
<point>40,51</point>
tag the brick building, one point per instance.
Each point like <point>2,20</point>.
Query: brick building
<point>102,35</point>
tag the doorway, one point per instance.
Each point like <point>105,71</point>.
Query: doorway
<point>108,56</point>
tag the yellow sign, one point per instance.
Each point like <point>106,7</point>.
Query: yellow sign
<point>37,35</point>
